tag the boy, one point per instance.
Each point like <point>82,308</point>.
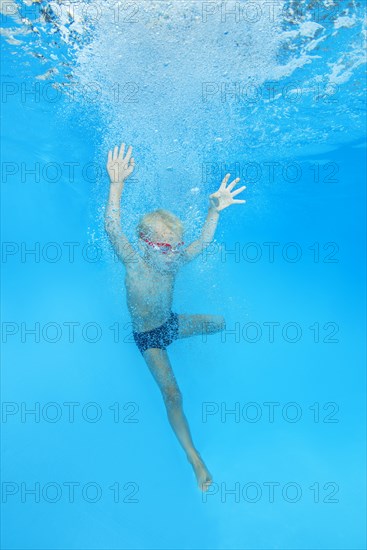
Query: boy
<point>149,287</point>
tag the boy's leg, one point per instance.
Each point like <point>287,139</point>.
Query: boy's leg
<point>160,367</point>
<point>191,325</point>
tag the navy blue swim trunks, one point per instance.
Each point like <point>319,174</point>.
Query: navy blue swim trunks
<point>159,337</point>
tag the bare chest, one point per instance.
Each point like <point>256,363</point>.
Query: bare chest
<point>145,285</point>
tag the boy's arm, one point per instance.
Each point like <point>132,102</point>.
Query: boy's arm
<point>118,239</point>
<point>119,168</point>
<point>207,234</point>
<point>218,201</point>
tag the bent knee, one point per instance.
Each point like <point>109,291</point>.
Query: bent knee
<point>172,395</point>
<point>215,324</point>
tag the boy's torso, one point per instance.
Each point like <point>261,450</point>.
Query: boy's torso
<point>149,295</point>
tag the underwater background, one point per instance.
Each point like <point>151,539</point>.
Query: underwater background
<point>272,92</point>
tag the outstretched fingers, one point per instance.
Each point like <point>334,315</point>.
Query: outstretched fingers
<point>231,185</point>
<point>121,153</point>
<point>234,182</point>
<point>128,155</point>
<point>224,181</point>
<point>239,190</point>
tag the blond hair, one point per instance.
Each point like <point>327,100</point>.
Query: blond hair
<point>148,224</point>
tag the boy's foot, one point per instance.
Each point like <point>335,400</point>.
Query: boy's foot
<point>203,476</point>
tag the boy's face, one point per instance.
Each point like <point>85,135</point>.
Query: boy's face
<point>163,258</point>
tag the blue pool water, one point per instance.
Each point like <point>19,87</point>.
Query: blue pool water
<point>276,404</point>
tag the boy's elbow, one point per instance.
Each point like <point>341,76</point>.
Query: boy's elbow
<point>110,226</point>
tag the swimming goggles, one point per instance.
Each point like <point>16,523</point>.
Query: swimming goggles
<point>162,247</point>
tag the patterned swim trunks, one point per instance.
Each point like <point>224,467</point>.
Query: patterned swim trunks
<point>159,337</point>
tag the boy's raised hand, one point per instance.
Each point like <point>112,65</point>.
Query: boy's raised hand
<point>224,196</point>
<point>119,167</point>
